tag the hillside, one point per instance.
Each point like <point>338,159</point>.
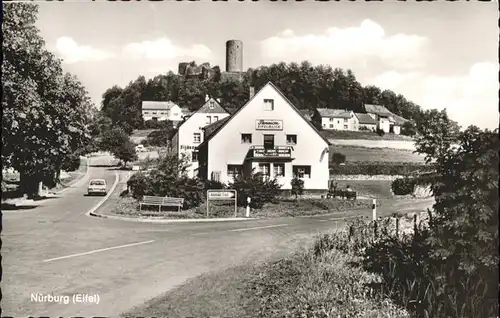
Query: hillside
<point>367,135</point>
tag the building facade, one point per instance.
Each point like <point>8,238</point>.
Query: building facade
<point>366,122</point>
<point>268,135</point>
<point>152,110</point>
<point>190,135</point>
<point>336,119</point>
<point>386,120</point>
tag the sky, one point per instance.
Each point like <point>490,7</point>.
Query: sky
<point>438,54</point>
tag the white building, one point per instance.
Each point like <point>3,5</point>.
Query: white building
<point>366,122</point>
<point>161,111</point>
<point>386,121</point>
<point>336,119</point>
<point>189,134</point>
<point>268,134</point>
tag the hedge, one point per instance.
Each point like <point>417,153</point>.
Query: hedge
<point>380,168</point>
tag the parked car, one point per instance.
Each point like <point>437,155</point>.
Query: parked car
<point>97,186</point>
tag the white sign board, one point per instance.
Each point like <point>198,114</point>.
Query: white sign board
<point>222,195</point>
<point>268,124</point>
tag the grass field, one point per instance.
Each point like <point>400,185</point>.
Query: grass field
<point>339,134</point>
<point>357,153</point>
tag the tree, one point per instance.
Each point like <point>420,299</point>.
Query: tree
<point>126,152</point>
<point>45,112</point>
<point>113,139</point>
<point>436,134</point>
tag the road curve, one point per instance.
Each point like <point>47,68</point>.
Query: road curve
<point>56,249</point>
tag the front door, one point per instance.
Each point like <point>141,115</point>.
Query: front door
<point>268,141</point>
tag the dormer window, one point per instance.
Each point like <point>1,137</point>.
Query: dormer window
<point>211,104</point>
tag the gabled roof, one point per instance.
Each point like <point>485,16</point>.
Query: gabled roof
<point>334,113</point>
<point>307,113</point>
<point>158,105</point>
<point>205,109</point>
<point>377,109</point>
<point>365,119</point>
<point>213,127</point>
<point>399,120</point>
<point>212,106</point>
<point>223,122</point>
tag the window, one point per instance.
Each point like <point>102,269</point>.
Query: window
<point>302,171</point>
<point>197,137</point>
<point>346,127</point>
<point>246,138</point>
<point>234,170</point>
<point>154,113</point>
<point>194,156</point>
<point>345,120</point>
<point>291,139</point>
<point>216,118</point>
<point>331,125</point>
<point>268,141</point>
<point>338,121</point>
<point>268,104</point>
<point>331,119</point>
<point>211,104</point>
<point>209,120</point>
<point>279,169</point>
<point>146,112</point>
<point>264,169</point>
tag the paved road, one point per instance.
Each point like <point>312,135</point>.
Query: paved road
<point>56,249</point>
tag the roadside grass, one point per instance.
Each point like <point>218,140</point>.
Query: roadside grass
<point>360,153</point>
<point>299,283</point>
<point>377,189</point>
<point>339,134</point>
<point>128,206</point>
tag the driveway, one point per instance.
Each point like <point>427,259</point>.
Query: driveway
<point>56,249</point>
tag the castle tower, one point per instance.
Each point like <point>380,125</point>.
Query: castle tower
<point>234,56</point>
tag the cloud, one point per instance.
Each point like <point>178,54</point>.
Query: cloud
<point>349,46</point>
<point>72,52</point>
<point>469,99</point>
<point>163,48</point>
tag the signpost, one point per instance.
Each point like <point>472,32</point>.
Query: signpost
<point>223,195</point>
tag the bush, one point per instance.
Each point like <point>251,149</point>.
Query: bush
<point>138,185</point>
<point>258,188</point>
<point>403,186</point>
<point>338,158</point>
<point>297,186</point>
<point>380,168</point>
<point>158,124</point>
<point>159,138</point>
<point>380,132</point>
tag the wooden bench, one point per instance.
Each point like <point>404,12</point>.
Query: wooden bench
<point>161,201</point>
<point>342,194</point>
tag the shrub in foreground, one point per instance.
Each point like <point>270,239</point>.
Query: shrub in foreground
<point>403,186</point>
<point>302,285</point>
<point>260,189</point>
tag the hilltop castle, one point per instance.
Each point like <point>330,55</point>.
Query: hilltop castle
<point>234,65</point>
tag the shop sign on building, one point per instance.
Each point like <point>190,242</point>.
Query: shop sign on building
<point>268,124</point>
<point>187,147</point>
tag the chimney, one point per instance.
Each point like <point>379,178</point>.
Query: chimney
<point>207,98</point>
<point>252,92</point>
